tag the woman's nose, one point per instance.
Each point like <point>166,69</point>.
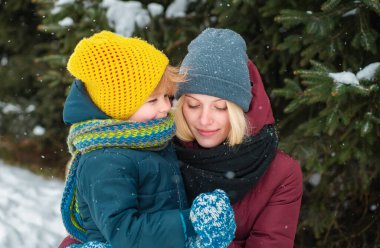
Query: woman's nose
<point>205,118</point>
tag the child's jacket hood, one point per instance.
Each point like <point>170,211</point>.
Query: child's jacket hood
<point>79,106</point>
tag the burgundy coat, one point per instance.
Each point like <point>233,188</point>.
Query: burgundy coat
<point>267,216</point>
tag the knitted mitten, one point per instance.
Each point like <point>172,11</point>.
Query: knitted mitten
<point>213,219</point>
<point>91,244</point>
<point>194,242</point>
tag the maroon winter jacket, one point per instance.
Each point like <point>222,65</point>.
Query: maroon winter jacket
<point>267,216</point>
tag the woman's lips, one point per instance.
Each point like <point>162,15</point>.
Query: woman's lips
<point>207,133</point>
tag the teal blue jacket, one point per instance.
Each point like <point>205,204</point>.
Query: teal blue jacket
<point>127,197</point>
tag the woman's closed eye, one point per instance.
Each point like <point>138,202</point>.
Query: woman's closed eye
<point>193,106</point>
<point>221,108</point>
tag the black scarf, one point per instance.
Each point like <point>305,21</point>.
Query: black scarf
<point>234,169</point>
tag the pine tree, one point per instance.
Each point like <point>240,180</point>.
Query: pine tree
<point>337,146</point>
<point>341,33</point>
<point>333,124</point>
<point>19,46</point>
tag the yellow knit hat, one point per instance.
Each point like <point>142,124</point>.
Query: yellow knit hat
<point>119,73</point>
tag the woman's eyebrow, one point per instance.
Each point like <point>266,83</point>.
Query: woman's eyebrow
<point>192,97</point>
<point>220,99</point>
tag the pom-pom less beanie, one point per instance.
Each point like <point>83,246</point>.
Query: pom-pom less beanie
<point>119,73</point>
<point>216,65</point>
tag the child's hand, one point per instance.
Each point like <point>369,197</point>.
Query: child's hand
<point>91,244</point>
<point>194,242</point>
<point>213,219</point>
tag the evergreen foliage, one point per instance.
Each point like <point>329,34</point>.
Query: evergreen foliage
<point>18,85</point>
<point>337,143</point>
<point>332,121</point>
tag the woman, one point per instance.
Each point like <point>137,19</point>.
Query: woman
<point>226,139</point>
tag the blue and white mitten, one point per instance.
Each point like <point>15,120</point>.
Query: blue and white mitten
<point>194,242</point>
<point>91,244</point>
<point>213,219</point>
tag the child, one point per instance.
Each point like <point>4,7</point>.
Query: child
<point>124,187</point>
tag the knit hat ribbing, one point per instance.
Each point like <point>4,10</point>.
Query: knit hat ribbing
<point>119,73</point>
<point>216,65</point>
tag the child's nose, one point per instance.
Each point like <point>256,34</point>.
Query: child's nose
<point>165,105</point>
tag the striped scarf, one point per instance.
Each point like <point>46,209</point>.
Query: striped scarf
<point>96,134</point>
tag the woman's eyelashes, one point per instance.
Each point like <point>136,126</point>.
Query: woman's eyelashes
<point>216,107</point>
<point>193,106</point>
<point>221,108</point>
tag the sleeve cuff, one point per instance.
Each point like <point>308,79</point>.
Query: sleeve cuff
<point>186,224</point>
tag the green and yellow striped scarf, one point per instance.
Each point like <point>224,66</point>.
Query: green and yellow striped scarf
<point>96,134</point>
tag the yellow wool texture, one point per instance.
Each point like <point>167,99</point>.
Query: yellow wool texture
<point>119,73</point>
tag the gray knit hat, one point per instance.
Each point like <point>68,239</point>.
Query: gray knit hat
<point>216,65</point>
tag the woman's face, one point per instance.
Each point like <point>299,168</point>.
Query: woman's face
<point>207,118</point>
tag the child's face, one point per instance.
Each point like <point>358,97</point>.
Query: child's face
<point>156,107</point>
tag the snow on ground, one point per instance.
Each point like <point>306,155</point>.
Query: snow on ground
<point>29,209</point>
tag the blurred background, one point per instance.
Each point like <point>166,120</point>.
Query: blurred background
<point>319,60</point>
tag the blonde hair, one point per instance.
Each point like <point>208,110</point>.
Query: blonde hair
<point>169,80</point>
<point>238,121</point>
